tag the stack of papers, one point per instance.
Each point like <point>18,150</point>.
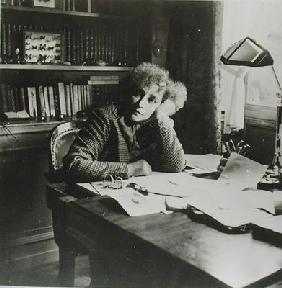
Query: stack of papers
<point>134,203</point>
<point>231,200</point>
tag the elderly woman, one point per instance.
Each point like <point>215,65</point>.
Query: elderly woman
<point>132,140</point>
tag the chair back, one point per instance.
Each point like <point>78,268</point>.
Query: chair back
<point>62,136</point>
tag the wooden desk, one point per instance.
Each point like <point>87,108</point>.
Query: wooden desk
<point>182,253</point>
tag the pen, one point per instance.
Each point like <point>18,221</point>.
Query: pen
<point>145,191</point>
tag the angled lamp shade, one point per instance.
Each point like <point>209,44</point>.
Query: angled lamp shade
<point>247,52</point>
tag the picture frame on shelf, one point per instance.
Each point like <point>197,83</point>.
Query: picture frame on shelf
<point>44,3</point>
<point>42,47</point>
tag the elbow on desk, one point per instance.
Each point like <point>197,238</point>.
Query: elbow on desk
<point>175,167</point>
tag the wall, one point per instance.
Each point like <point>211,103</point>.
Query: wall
<point>261,20</point>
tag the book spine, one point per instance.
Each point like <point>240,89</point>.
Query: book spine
<point>85,97</point>
<point>119,47</point>
<point>68,100</point>
<point>86,41</point>
<point>97,42</point>
<point>26,100</point>
<point>41,106</point>
<point>52,101</point>
<point>4,41</point>
<point>82,46</point>
<point>137,44</point>
<point>88,97</point>
<point>14,42</point>
<point>82,98</point>
<point>34,101</point>
<point>92,46</point>
<point>125,47</point>
<point>114,45</point>
<point>46,101</point>
<point>62,99</point>
<point>68,45</point>
<point>30,102</point>
<point>72,99</point>
<point>9,42</point>
<point>57,101</point>
<point>74,55</point>
<point>78,98</point>
<point>103,42</point>
<point>75,99</point>
<point>111,46</point>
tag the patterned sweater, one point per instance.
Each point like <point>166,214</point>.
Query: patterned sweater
<point>104,146</point>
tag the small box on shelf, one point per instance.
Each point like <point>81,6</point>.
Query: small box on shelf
<point>42,47</point>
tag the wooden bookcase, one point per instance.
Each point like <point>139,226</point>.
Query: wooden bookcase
<point>88,39</point>
<point>91,44</point>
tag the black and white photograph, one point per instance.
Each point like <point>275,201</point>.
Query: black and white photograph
<point>141,143</point>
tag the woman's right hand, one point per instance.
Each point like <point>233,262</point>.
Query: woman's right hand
<point>139,168</point>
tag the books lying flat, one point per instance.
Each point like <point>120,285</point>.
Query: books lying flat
<point>17,115</point>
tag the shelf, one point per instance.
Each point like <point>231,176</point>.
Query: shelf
<point>28,126</point>
<point>62,67</point>
<point>45,10</point>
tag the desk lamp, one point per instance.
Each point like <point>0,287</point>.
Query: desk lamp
<point>248,52</point>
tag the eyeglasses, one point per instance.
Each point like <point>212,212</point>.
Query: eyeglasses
<point>110,182</point>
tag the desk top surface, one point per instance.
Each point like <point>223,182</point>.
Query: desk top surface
<point>237,260</point>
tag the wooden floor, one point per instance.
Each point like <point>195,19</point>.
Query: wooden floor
<point>46,275</point>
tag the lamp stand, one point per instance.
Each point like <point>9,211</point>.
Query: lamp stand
<point>277,163</point>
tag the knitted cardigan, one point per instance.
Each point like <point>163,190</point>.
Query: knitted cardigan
<point>100,147</point>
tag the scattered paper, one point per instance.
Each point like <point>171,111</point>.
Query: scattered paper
<point>242,172</point>
<point>133,202</point>
<point>206,162</point>
<point>271,223</point>
<point>229,200</point>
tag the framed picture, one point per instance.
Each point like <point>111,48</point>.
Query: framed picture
<point>42,47</point>
<point>44,3</point>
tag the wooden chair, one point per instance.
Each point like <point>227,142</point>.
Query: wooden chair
<point>61,139</point>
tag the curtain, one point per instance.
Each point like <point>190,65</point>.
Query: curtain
<point>194,45</point>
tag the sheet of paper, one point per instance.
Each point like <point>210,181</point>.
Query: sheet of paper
<point>134,203</point>
<point>227,199</point>
<point>277,197</point>
<point>271,222</point>
<point>206,162</point>
<point>242,172</point>
<point>229,217</point>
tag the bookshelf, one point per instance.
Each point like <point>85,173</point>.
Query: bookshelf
<point>88,43</point>
<point>63,68</point>
<point>118,38</point>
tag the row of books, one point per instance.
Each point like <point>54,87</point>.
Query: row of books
<point>54,101</point>
<point>109,43</point>
<point>66,5</point>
